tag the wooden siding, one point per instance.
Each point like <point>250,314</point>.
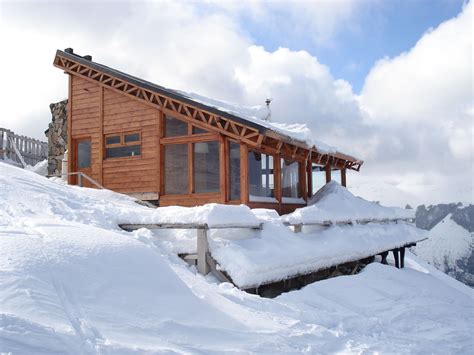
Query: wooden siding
<point>131,174</point>
<point>85,120</point>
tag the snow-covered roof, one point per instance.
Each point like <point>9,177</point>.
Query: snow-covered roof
<point>251,116</point>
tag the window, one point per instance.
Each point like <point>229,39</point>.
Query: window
<point>319,177</point>
<point>206,167</point>
<point>197,130</point>
<point>234,171</point>
<point>176,169</point>
<point>84,154</point>
<point>290,184</point>
<point>261,179</point>
<point>175,127</point>
<point>122,145</point>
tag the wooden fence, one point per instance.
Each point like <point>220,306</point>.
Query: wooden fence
<point>12,145</point>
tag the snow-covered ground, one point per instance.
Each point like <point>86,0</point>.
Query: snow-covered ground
<point>72,282</point>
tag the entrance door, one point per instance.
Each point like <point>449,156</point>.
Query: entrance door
<point>82,161</point>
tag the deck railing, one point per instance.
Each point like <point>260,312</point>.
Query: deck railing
<point>21,150</point>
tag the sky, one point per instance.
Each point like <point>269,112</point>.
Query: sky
<point>388,81</point>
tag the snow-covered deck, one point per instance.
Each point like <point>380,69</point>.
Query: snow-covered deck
<point>257,256</point>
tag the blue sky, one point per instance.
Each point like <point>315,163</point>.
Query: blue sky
<point>383,28</point>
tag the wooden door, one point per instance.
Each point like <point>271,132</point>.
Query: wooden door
<point>82,161</point>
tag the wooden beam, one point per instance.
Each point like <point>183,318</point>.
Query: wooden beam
<point>328,172</point>
<point>244,174</point>
<point>222,168</point>
<point>343,177</point>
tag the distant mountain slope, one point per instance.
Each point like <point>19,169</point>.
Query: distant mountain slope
<point>450,247</point>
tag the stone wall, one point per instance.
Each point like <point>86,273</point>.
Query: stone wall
<point>57,136</point>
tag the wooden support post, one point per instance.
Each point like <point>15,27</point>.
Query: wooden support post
<point>297,228</point>
<point>244,174</point>
<point>79,177</point>
<point>202,250</point>
<point>402,257</point>
<point>309,172</point>
<point>384,257</point>
<point>328,172</point>
<point>395,255</point>
<point>343,177</point>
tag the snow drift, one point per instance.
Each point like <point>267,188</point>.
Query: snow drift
<point>72,282</point>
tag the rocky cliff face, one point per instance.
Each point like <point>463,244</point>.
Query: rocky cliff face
<point>57,136</point>
<point>451,243</point>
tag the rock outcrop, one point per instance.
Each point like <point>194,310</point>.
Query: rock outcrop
<point>57,136</point>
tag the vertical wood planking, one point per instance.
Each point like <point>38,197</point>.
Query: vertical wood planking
<point>190,168</point>
<point>159,160</point>
<point>244,174</point>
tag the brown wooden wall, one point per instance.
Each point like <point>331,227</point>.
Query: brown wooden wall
<point>131,174</point>
<point>96,111</point>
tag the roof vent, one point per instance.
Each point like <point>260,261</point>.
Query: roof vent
<point>269,112</point>
<point>69,50</point>
<point>88,57</point>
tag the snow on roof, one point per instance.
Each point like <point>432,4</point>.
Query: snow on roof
<point>334,202</point>
<point>258,114</point>
<point>255,114</point>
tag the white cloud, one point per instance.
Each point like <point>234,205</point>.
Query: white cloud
<point>412,122</point>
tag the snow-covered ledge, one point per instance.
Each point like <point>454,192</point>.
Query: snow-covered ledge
<point>293,200</point>
<point>254,198</point>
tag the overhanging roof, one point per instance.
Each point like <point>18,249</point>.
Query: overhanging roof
<point>84,66</point>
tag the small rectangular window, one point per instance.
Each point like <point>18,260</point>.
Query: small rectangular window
<point>122,145</point>
<point>134,137</point>
<point>197,130</point>
<point>112,140</point>
<point>123,151</point>
<point>175,127</point>
<point>84,154</point>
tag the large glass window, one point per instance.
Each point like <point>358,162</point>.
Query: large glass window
<point>290,184</point>
<point>84,154</point>
<point>176,169</point>
<point>261,179</point>
<point>175,127</point>
<point>234,171</point>
<point>206,167</point>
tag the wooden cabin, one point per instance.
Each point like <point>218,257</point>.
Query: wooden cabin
<point>160,145</point>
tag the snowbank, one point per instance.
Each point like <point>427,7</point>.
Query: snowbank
<point>334,202</point>
<point>72,282</point>
<point>41,168</point>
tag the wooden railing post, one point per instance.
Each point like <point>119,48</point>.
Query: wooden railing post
<point>79,178</point>
<point>202,250</point>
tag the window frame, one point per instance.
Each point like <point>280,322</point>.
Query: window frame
<point>189,139</point>
<point>122,143</point>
